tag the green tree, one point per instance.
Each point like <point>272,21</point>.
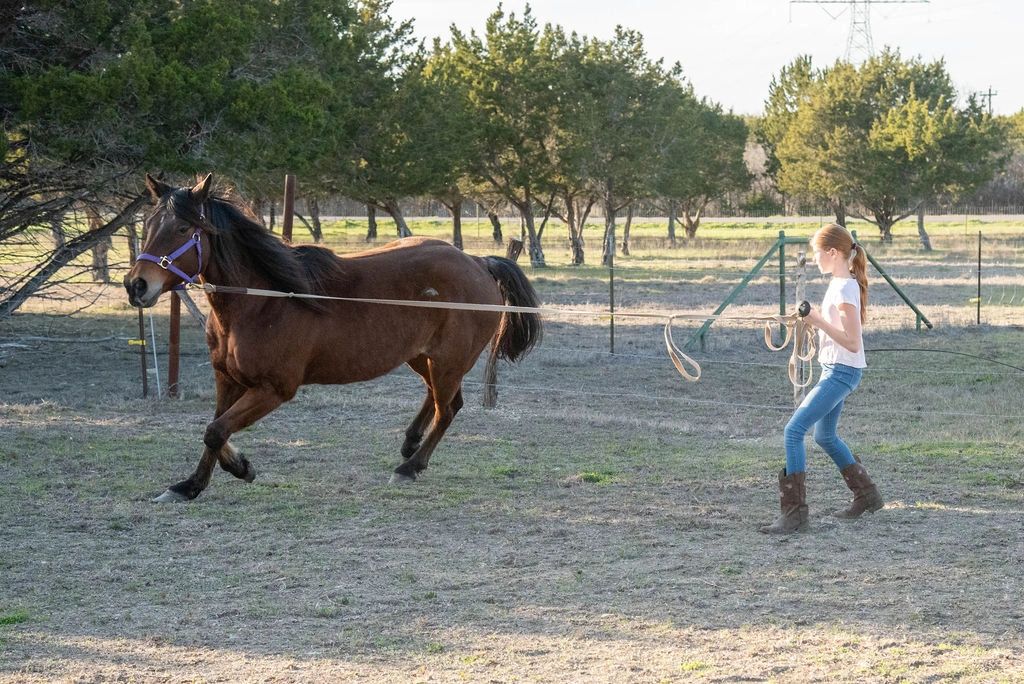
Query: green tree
<point>570,182</point>
<point>454,139</point>
<point>289,113</point>
<point>389,128</point>
<point>703,162</point>
<point>626,101</point>
<point>884,138</point>
<point>506,75</point>
<point>785,93</point>
<point>94,92</point>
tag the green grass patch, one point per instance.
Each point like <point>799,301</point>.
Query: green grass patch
<point>600,477</point>
<point>507,471</point>
<point>966,454</point>
<point>14,618</point>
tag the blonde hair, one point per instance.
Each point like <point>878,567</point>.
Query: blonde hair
<point>835,236</point>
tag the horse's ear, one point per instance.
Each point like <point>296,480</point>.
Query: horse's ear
<point>157,188</point>
<point>201,191</point>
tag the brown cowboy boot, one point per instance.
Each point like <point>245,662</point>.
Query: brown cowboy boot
<point>865,493</point>
<point>792,496</point>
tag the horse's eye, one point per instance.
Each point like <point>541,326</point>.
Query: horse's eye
<point>182,229</point>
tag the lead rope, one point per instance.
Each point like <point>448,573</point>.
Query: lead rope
<point>796,329</point>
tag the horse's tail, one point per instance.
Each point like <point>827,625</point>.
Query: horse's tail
<point>518,332</point>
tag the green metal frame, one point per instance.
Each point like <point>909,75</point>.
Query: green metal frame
<point>780,246</point>
<point>921,318</point>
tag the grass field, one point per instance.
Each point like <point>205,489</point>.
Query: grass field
<point>598,525</point>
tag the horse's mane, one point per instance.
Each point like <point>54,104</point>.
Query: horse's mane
<point>242,245</point>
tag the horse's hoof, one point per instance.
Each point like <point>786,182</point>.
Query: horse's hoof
<point>170,496</point>
<point>400,479</point>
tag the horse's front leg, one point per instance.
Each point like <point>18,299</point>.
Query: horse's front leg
<point>254,403</point>
<point>228,394</point>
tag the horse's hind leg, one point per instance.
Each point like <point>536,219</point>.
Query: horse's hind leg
<point>447,390</point>
<point>414,433</point>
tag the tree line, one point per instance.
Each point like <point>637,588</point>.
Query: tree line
<point>550,122</point>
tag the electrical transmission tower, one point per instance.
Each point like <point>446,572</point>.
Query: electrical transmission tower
<point>858,42</point>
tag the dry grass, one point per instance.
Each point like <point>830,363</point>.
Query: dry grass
<point>599,525</point>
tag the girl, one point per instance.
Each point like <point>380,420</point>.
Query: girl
<point>841,355</point>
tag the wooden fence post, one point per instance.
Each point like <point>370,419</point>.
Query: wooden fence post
<point>514,249</point>
<point>289,207</point>
<point>174,346</point>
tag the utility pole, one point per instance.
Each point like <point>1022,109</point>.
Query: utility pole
<point>988,96</point>
<point>858,41</point>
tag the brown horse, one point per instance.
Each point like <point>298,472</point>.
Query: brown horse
<point>262,349</point>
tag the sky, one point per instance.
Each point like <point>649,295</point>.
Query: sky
<point>731,49</point>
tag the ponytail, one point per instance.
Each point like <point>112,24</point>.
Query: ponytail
<point>859,270</point>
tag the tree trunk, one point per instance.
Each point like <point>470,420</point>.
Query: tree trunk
<point>672,225</point>
<point>885,224</point>
<point>57,229</point>
<point>547,215</point>
<point>625,230</point>
<point>132,242</point>
<point>100,261</point>
<point>608,249</point>
<point>257,208</point>
<point>391,206</point>
<point>133,236</point>
<point>926,242</point>
<point>840,211</point>
<point>575,232</point>
<point>514,249</point>
<point>371,223</point>
<point>456,209</point>
<point>495,227</point>
<point>314,216</point>
<point>533,241</point>
<point>100,264</point>
<point>63,256</point>
<point>690,223</point>
<point>273,215</point>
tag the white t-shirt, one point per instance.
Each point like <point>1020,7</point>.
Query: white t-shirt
<point>840,291</point>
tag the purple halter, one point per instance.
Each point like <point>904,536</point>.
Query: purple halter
<point>167,262</point>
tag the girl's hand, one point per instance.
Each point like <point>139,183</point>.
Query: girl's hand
<point>814,317</point>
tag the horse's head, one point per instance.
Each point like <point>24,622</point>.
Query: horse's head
<point>177,247</point>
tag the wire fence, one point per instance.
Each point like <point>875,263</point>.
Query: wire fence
<point>947,280</point>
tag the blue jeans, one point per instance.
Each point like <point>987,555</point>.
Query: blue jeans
<point>820,409</point>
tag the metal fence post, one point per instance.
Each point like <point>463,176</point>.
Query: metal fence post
<point>782,273</point>
<point>801,365</point>
<point>611,295</point>
<point>979,277</point>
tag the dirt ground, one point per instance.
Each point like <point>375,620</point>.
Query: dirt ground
<point>599,525</point>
